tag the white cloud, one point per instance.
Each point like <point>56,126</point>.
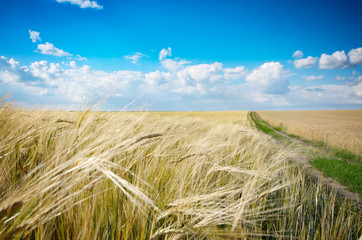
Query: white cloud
<point>72,64</point>
<point>80,58</point>
<point>298,54</point>
<point>65,81</point>
<point>330,95</point>
<point>69,81</point>
<point>135,57</point>
<point>354,79</point>
<point>164,53</point>
<point>269,100</point>
<point>306,62</point>
<point>34,36</point>
<point>8,77</point>
<point>50,49</point>
<point>44,92</point>
<point>269,78</point>
<point>338,60</point>
<point>11,63</point>
<point>83,3</point>
<point>201,79</point>
<point>157,78</point>
<point>189,87</point>
<point>11,72</point>
<point>173,65</point>
<point>355,56</point>
<point>202,73</point>
<point>197,89</point>
<point>235,73</point>
<point>313,77</point>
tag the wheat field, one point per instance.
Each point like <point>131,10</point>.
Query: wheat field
<point>338,128</point>
<point>134,175</point>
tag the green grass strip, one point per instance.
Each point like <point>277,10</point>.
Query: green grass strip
<point>347,174</point>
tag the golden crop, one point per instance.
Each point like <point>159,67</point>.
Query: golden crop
<point>339,128</point>
<point>97,175</point>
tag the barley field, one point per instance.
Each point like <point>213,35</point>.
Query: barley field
<point>157,175</point>
<point>338,128</point>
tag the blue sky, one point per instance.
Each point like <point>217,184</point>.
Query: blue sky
<point>182,55</point>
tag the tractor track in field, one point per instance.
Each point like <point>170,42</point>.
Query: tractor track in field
<point>301,159</point>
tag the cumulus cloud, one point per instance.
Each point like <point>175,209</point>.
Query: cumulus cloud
<point>69,81</point>
<point>200,79</point>
<point>19,77</point>
<point>201,74</point>
<point>50,49</point>
<point>8,64</point>
<point>198,88</point>
<point>73,64</point>
<point>174,65</point>
<point>355,56</point>
<point>157,78</point>
<point>135,57</point>
<point>8,70</point>
<point>65,81</point>
<point>269,78</point>
<point>235,73</point>
<point>313,77</point>
<point>305,62</point>
<point>164,53</point>
<point>83,3</point>
<point>207,86</point>
<point>298,54</point>
<point>34,36</point>
<point>338,60</point>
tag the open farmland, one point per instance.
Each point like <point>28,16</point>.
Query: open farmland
<point>84,175</point>
<point>338,128</point>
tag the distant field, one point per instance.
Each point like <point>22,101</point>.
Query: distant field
<point>338,128</point>
<point>157,175</point>
<point>218,117</point>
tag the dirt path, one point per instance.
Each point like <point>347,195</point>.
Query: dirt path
<point>304,161</point>
<point>297,141</point>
